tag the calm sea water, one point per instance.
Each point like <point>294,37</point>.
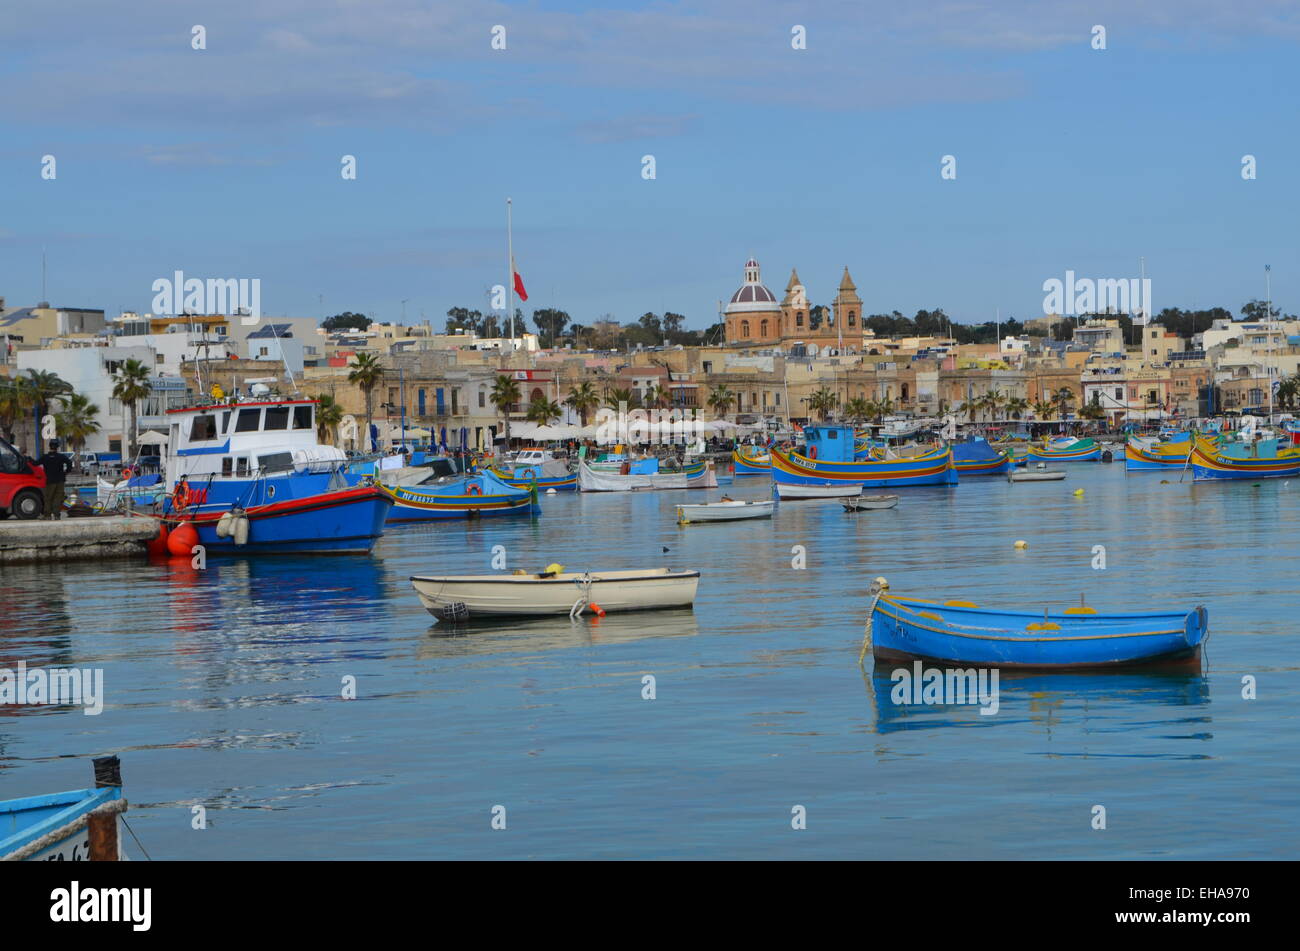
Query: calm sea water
<point>223,688</point>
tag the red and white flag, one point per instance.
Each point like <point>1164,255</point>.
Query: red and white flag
<point>519,281</point>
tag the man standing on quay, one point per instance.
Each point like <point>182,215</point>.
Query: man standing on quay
<point>56,466</point>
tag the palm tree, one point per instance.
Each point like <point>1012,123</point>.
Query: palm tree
<point>131,385</point>
<point>583,399</point>
<point>1062,399</point>
<point>14,403</point>
<point>328,416</point>
<point>1287,392</point>
<point>822,401</point>
<point>720,399</point>
<point>993,401</point>
<point>542,411</point>
<point>967,409</point>
<point>1042,409</point>
<point>657,397</point>
<point>858,409</point>
<point>615,396</point>
<point>505,394</point>
<point>883,408</point>
<point>366,372</point>
<point>76,421</point>
<point>43,386</point>
<point>1016,406</point>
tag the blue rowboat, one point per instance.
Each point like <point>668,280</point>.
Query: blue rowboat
<point>960,632</point>
<point>55,827</point>
<point>750,465</point>
<point>1161,457</point>
<point>478,496</point>
<point>932,468</point>
<point>977,457</point>
<point>525,477</point>
<point>1210,463</point>
<point>1081,450</point>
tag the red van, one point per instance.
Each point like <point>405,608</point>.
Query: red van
<point>21,485</point>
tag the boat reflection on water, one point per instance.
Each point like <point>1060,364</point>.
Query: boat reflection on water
<point>495,635</point>
<point>1042,699</point>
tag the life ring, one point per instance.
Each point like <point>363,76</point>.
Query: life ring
<point>528,474</point>
<point>474,489</point>
<point>812,452</point>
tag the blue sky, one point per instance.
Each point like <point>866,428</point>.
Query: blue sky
<point>225,162</point>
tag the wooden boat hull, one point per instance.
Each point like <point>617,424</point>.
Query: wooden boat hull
<point>910,628</point>
<point>345,522</point>
<point>698,475</point>
<point>567,483</point>
<point>1208,464</point>
<point>493,499</point>
<point>749,465</point>
<point>932,468</point>
<point>526,595</point>
<point>1140,459</point>
<point>1089,454</point>
<point>58,817</point>
<point>787,492</point>
<point>1036,475</point>
<point>725,511</point>
<point>870,503</point>
<point>978,458</point>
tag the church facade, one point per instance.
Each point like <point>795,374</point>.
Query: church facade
<point>755,318</point>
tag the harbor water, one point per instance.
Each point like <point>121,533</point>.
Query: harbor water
<point>224,687</point>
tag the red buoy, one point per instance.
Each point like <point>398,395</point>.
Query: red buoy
<point>182,539</point>
<point>159,544</point>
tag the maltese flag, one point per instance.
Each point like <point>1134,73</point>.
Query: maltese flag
<point>519,281</point>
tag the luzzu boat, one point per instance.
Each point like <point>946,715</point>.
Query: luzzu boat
<point>830,462</point>
<point>751,465</point>
<point>695,475</point>
<point>259,461</point>
<point>1067,450</point>
<point>1211,463</point>
<point>476,496</point>
<point>537,467</point>
<point>977,457</point>
<point>56,827</point>
<point>1140,456</point>
<point>904,629</point>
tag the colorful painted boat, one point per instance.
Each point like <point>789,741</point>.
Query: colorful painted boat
<point>977,458</point>
<point>1141,457</point>
<point>904,629</point>
<point>931,468</point>
<point>750,465</point>
<point>477,496</point>
<point>1078,450</point>
<point>57,827</point>
<point>696,475</point>
<point>1212,463</point>
<point>525,477</point>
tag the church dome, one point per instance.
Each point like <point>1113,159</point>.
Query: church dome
<point>753,296</point>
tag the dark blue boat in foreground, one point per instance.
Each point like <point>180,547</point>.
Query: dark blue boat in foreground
<point>1077,637</point>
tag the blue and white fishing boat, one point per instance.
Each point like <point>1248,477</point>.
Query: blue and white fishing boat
<point>260,483</point>
<point>482,495</point>
<point>56,827</point>
<point>830,462</point>
<point>538,467</point>
<point>976,457</point>
<point>904,629</point>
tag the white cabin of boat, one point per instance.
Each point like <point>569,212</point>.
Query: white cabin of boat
<point>242,440</point>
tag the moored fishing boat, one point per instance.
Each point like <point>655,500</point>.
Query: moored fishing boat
<point>727,510</point>
<point>751,464</point>
<point>1036,475</point>
<point>697,475</point>
<point>789,491</point>
<point>976,458</point>
<point>1147,457</point>
<point>76,826</point>
<point>1211,463</point>
<point>456,597</point>
<point>1066,450</point>
<point>476,496</point>
<point>829,460</point>
<point>900,629</point>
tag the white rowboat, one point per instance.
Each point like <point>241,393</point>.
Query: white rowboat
<point>830,490</point>
<point>459,596</point>
<point>725,511</point>
<point>1036,475</point>
<point>868,503</point>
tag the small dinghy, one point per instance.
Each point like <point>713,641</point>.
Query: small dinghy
<point>831,490</point>
<point>76,826</point>
<point>555,591</point>
<point>905,629</point>
<point>1036,475</point>
<point>868,503</point>
<point>727,510</point>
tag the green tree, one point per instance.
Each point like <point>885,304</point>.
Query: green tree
<point>858,409</point>
<point>1063,399</point>
<point>543,411</point>
<point>621,395</point>
<point>346,321</point>
<point>76,421</point>
<point>822,401</point>
<point>15,401</point>
<point>583,399</point>
<point>720,399</point>
<point>328,416</point>
<point>505,394</point>
<point>365,372</point>
<point>550,324</point>
<point>130,386</point>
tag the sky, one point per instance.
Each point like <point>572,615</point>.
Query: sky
<point>225,162</point>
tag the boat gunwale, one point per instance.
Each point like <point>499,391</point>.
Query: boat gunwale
<point>571,578</point>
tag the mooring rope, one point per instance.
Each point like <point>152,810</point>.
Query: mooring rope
<point>584,585</point>
<point>878,591</point>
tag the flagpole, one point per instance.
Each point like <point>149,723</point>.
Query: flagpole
<point>510,275</point>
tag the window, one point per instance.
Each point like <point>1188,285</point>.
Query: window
<point>1119,393</point>
<point>798,319</point>
<point>762,332</point>
<point>203,427</point>
<point>225,421</point>
<point>281,461</point>
<point>852,319</point>
<point>302,417</point>
<point>227,465</point>
<point>247,422</point>
<point>241,466</point>
<point>419,401</point>
<point>263,351</point>
<point>708,366</point>
<point>10,461</point>
<point>277,417</point>
<point>158,358</point>
<point>832,434</point>
<point>778,398</point>
<point>744,328</point>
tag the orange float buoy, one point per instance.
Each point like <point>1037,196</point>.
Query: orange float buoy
<point>182,539</point>
<point>596,609</point>
<point>159,544</point>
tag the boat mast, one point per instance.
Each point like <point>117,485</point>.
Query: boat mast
<point>510,274</point>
